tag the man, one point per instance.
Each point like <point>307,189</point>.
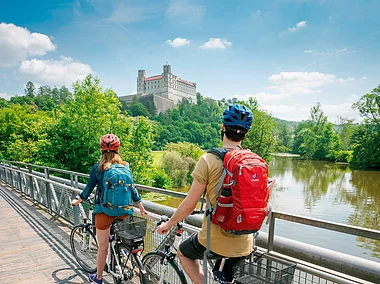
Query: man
<point>237,120</point>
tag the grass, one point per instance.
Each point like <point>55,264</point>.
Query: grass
<point>157,155</point>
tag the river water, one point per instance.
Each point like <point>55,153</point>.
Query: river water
<point>327,191</point>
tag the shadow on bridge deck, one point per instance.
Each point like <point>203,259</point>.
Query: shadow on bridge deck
<point>35,246</point>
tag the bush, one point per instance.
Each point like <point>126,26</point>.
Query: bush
<point>178,167</point>
<point>343,156</point>
<point>162,179</point>
<point>186,149</point>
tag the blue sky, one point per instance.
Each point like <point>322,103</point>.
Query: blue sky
<point>290,54</point>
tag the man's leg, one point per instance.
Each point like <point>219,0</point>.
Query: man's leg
<point>192,268</point>
<point>189,253</point>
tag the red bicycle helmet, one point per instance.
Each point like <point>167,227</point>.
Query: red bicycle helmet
<point>109,142</point>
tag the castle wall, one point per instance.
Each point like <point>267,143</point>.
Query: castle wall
<point>167,85</point>
<point>160,102</point>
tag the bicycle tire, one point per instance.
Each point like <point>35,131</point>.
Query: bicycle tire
<point>85,253</point>
<point>153,263</point>
<point>129,262</point>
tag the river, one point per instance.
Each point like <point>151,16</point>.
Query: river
<point>327,191</point>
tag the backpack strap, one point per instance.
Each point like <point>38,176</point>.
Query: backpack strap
<point>219,152</point>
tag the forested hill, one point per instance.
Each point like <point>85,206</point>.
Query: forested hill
<point>56,127</point>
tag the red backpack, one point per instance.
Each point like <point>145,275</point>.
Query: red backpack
<point>243,192</point>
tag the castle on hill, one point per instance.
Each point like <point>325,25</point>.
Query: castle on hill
<point>165,90</point>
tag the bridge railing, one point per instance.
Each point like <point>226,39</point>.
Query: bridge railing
<point>54,188</point>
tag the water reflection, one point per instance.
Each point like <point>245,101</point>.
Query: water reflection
<point>331,192</point>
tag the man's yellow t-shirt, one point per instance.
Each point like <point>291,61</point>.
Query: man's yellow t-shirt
<point>208,171</point>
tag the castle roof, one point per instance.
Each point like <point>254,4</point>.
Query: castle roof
<point>186,82</point>
<point>157,77</point>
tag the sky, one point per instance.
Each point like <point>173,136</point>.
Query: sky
<point>289,54</point>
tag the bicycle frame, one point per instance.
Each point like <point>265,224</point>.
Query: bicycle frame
<point>87,221</point>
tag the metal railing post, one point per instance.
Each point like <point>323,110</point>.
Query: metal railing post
<point>11,173</point>
<point>271,232</point>
<point>47,187</point>
<point>76,211</point>
<point>30,170</point>
<point>19,178</point>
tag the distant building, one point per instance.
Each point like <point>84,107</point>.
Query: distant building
<point>166,85</point>
<point>164,90</point>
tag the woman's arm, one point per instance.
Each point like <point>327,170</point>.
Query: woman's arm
<point>89,187</point>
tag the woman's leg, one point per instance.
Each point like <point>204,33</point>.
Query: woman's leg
<point>103,243</point>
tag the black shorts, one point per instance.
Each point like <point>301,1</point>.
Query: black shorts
<point>191,248</point>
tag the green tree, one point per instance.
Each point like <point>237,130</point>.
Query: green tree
<point>30,89</point>
<point>23,131</point>
<point>366,147</point>
<point>83,120</point>
<point>315,138</point>
<point>346,131</point>
<point>44,99</point>
<point>284,137</point>
<point>369,106</point>
<point>3,103</point>
<point>260,139</point>
<point>366,139</point>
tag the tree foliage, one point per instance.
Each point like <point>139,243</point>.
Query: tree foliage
<point>315,138</point>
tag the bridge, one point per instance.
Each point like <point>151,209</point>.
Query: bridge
<point>37,219</point>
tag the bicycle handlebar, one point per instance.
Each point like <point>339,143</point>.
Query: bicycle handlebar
<point>89,200</point>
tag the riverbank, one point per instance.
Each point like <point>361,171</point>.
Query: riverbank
<point>284,155</point>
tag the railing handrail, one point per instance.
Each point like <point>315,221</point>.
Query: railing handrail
<point>323,224</point>
<point>332,226</point>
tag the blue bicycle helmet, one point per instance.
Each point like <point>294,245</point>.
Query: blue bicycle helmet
<point>238,115</point>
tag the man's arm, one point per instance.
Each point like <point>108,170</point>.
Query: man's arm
<point>186,207</point>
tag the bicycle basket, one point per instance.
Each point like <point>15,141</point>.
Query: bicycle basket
<point>264,271</point>
<point>132,227</point>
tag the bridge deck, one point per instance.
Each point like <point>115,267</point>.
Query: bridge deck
<point>35,246</point>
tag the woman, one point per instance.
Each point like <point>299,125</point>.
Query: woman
<point>109,145</point>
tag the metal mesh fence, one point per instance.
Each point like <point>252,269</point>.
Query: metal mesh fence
<point>58,200</point>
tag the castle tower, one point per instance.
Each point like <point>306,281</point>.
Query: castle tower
<point>167,69</point>
<point>141,82</point>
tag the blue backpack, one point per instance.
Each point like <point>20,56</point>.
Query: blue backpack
<point>116,199</point>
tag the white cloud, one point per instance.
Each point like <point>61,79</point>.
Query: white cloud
<point>310,51</point>
<point>178,42</point>
<point>303,82</point>
<point>184,12</point>
<point>216,43</point>
<point>285,85</point>
<point>5,96</point>
<point>18,44</point>
<point>332,111</point>
<point>54,72</point>
<point>294,113</point>
<point>300,112</point>
<point>298,26</point>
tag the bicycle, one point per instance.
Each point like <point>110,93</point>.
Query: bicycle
<point>126,244</point>
<point>161,266</point>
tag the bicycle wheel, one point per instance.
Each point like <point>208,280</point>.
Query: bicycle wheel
<point>84,247</point>
<point>162,270</point>
<point>130,264</point>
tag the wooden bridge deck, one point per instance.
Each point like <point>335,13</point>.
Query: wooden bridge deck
<point>34,246</point>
